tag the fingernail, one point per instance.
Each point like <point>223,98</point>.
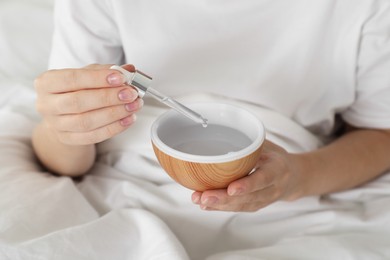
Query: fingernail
<point>196,199</point>
<point>127,94</point>
<point>210,200</point>
<point>115,79</point>
<point>134,105</point>
<point>131,106</point>
<point>126,121</point>
<point>235,192</point>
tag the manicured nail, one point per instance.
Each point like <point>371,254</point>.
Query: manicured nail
<point>134,105</point>
<point>131,106</point>
<point>127,94</point>
<point>115,79</point>
<point>128,120</point>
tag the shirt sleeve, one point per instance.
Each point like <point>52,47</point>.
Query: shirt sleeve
<point>371,108</point>
<point>84,33</point>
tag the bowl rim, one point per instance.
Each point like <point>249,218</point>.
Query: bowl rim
<point>258,142</point>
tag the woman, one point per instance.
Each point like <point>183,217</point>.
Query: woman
<point>312,61</point>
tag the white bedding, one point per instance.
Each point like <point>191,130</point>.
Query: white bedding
<point>128,208</point>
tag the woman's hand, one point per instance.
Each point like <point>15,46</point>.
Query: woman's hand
<point>86,106</point>
<point>80,107</point>
<point>277,177</point>
<point>353,159</point>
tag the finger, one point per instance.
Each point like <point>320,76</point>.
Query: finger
<point>97,135</point>
<point>258,180</point>
<point>67,80</point>
<point>86,100</point>
<point>195,197</point>
<point>219,200</point>
<point>97,66</point>
<point>220,197</point>
<point>92,120</point>
<point>248,207</point>
<point>129,67</point>
<point>213,197</point>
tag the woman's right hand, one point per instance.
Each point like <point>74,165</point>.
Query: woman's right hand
<point>88,105</point>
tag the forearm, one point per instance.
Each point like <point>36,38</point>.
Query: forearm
<point>354,159</point>
<point>70,160</point>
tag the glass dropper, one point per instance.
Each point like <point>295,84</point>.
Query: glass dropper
<point>142,82</point>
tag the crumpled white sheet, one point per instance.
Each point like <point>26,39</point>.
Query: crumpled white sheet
<point>128,208</point>
<point>25,37</point>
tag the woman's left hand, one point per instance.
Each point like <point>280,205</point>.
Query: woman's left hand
<point>277,177</point>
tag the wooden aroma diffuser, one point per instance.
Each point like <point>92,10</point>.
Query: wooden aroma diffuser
<point>202,158</point>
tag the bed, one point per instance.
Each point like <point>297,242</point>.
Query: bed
<point>128,208</point>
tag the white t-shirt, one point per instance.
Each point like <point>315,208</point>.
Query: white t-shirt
<point>308,60</point>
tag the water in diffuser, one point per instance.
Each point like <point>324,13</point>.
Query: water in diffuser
<point>209,141</point>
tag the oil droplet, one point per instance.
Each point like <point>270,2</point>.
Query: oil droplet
<point>204,124</point>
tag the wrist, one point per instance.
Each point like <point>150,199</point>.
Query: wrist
<point>303,174</point>
<point>60,158</point>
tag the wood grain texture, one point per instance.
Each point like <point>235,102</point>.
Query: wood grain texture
<point>205,176</point>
